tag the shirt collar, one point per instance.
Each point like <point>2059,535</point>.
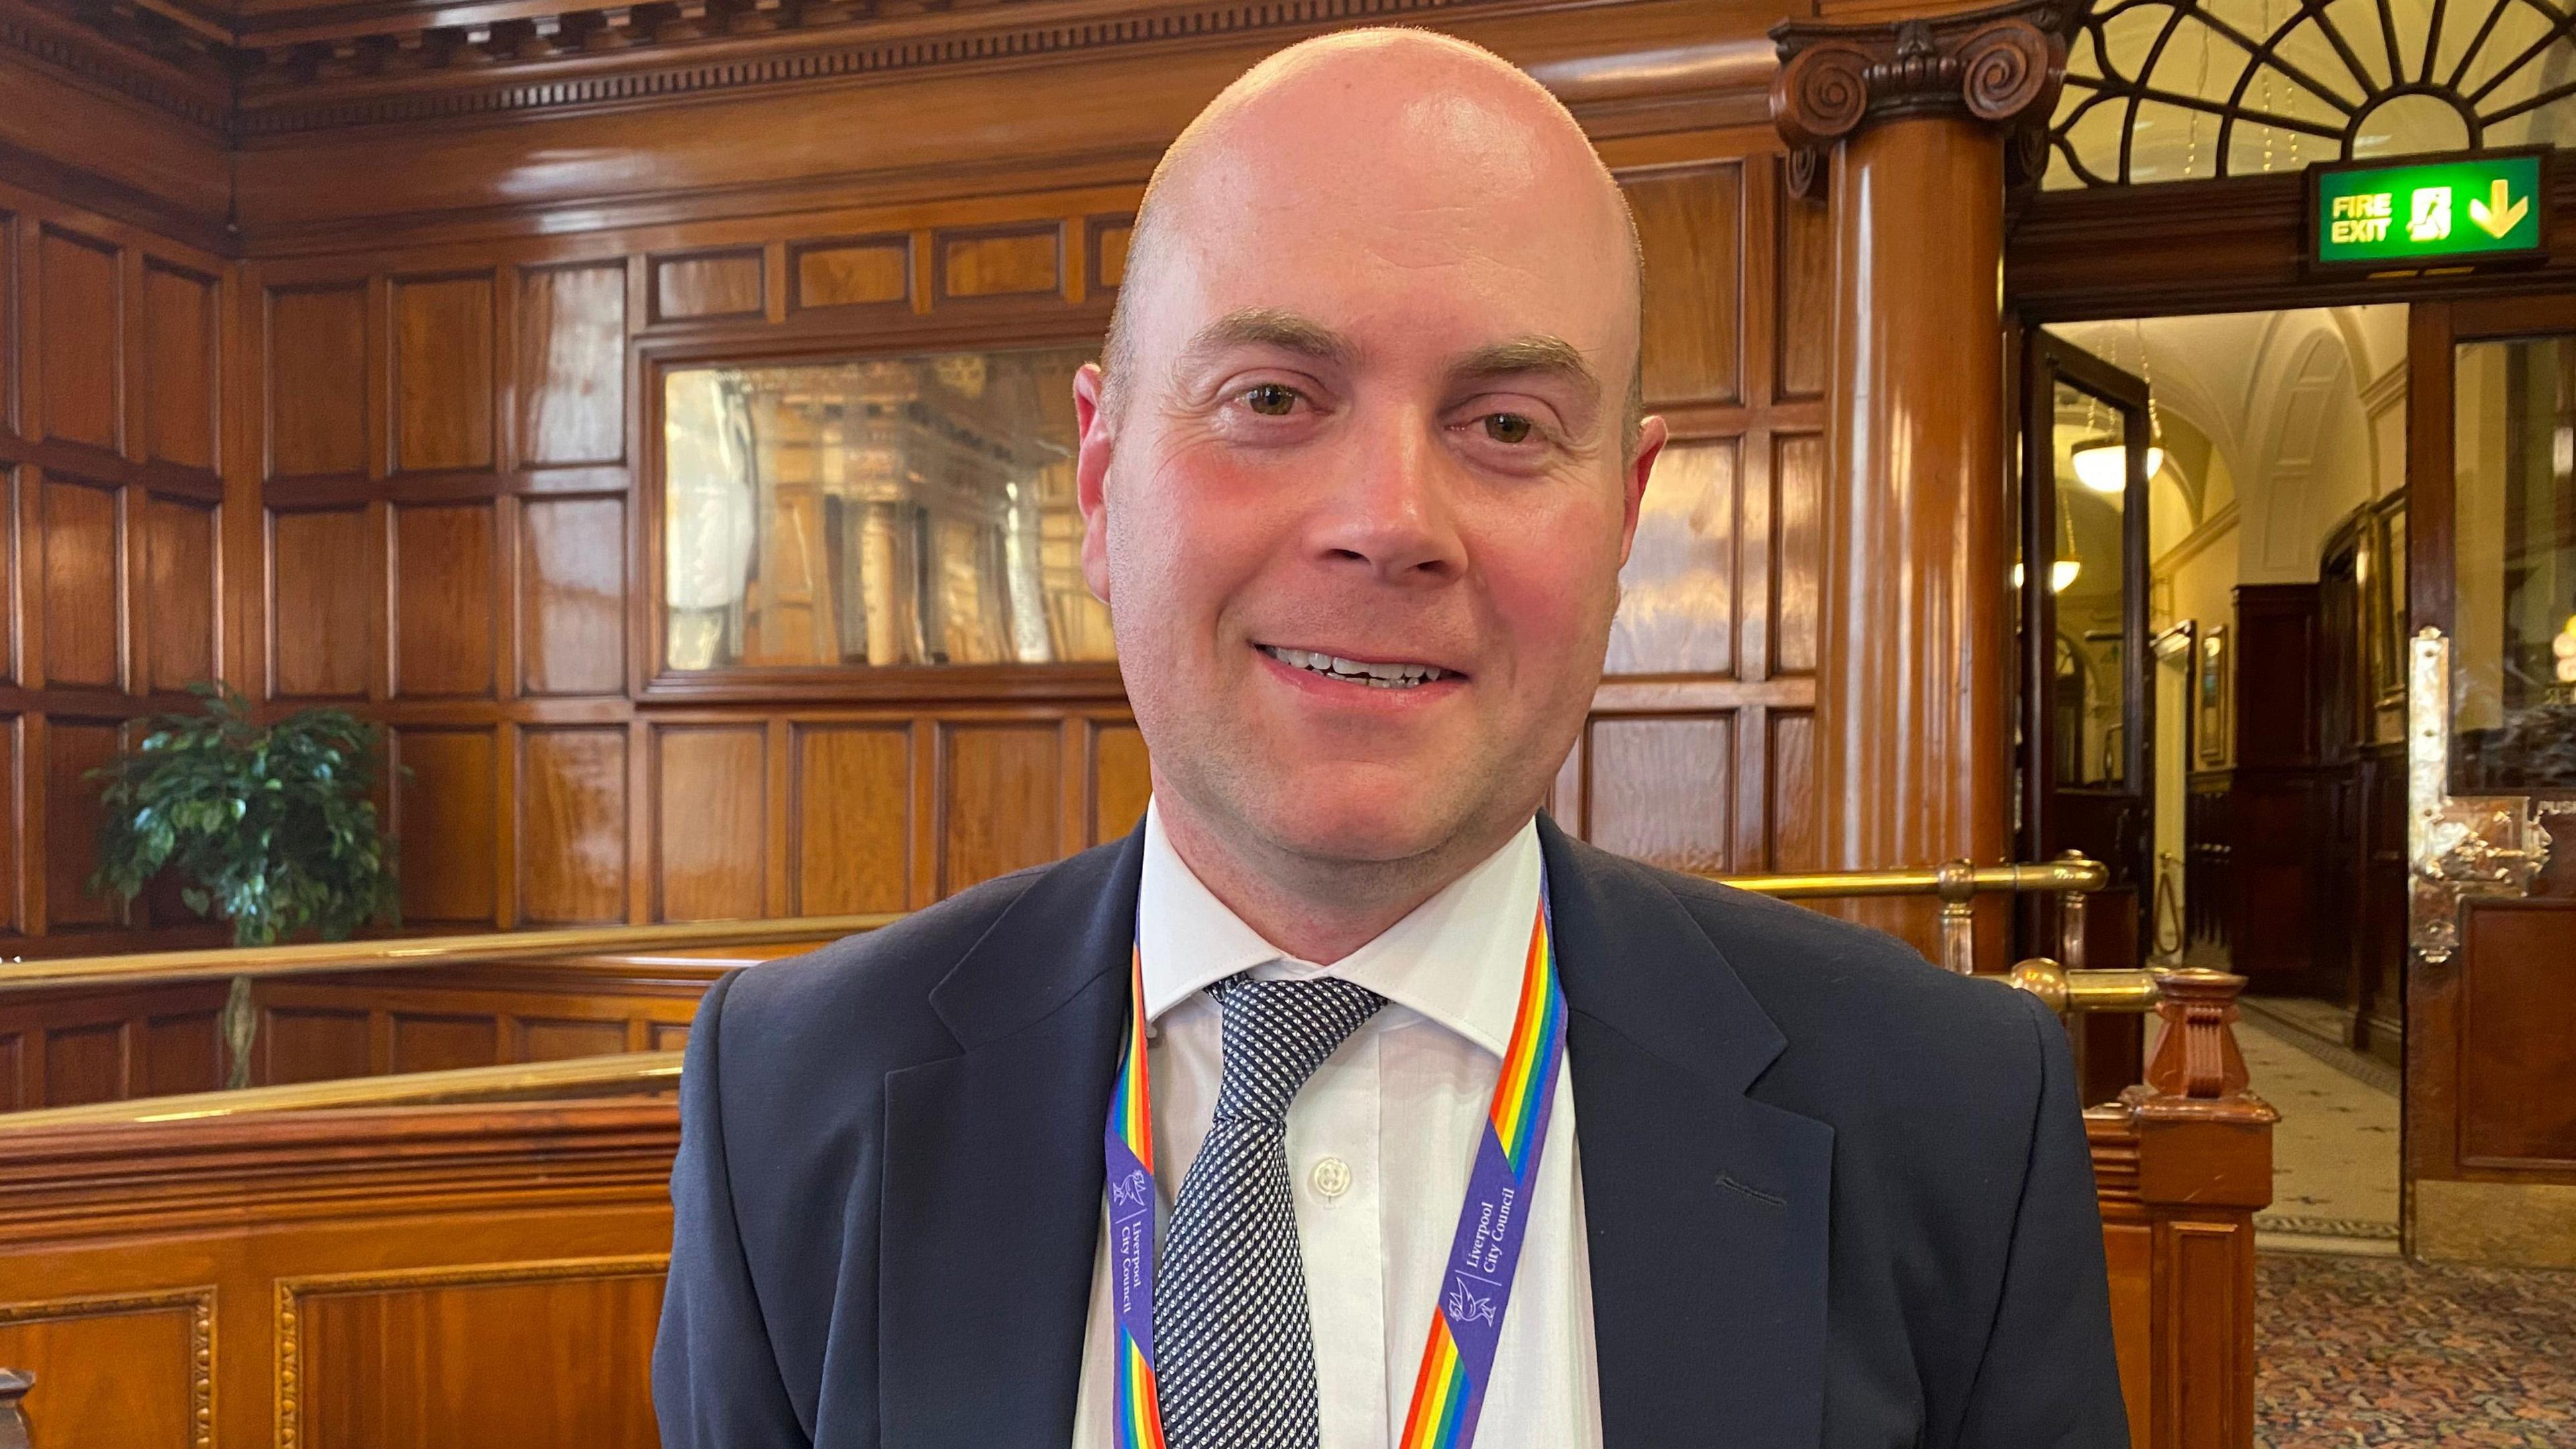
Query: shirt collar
<point>1456,959</point>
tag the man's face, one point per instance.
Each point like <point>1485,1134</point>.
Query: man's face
<point>1360,504</point>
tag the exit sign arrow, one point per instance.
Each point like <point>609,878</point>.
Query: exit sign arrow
<point>2500,212</point>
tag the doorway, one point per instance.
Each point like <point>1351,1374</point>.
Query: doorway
<point>2217,713</point>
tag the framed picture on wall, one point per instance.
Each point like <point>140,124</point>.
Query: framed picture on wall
<point>2210,696</point>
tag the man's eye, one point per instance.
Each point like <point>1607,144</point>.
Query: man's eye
<point>1508,427</point>
<point>1271,400</point>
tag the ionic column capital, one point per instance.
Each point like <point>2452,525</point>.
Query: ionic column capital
<point>2001,65</point>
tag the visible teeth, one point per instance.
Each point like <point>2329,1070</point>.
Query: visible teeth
<point>1377,676</point>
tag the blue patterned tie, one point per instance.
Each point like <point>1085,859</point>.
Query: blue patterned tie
<point>1234,1352</point>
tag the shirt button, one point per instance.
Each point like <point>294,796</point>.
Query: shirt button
<point>1332,1177</point>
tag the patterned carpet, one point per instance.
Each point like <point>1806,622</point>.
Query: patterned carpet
<point>2366,1351</point>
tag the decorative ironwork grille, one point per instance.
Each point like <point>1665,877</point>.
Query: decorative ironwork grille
<point>2166,90</point>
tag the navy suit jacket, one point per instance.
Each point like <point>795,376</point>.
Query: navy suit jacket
<point>1837,1198</point>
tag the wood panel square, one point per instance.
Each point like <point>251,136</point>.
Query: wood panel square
<point>445,814</point>
<point>442,374</point>
<point>708,284</point>
<point>871,271</point>
<point>182,1052</point>
<point>114,1373</point>
<point>1109,238</point>
<point>305,1044</point>
<point>711,827</point>
<point>179,342</point>
<point>73,748</point>
<point>437,1043</point>
<point>572,595</point>
<point>85,1064</point>
<point>317,381</point>
<point>1797,550</point>
<point>8,322</point>
<point>1001,794</point>
<point>554,1041</point>
<point>572,365</point>
<point>1806,304</point>
<point>1020,262</point>
<point>572,826</point>
<point>1677,592</point>
<point>179,582</point>
<point>80,310</point>
<point>1691,226</point>
<point>1120,780</point>
<point>321,599</point>
<point>438,1362</point>
<point>1789,816</point>
<point>13,886</point>
<point>1663,790</point>
<point>446,608</point>
<point>853,810</point>
<point>2517,1046</point>
<point>84,585</point>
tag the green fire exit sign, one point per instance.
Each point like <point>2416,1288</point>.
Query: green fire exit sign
<point>2449,212</point>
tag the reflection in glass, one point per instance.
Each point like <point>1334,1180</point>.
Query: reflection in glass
<point>2090,578</point>
<point>2513,650</point>
<point>914,510</point>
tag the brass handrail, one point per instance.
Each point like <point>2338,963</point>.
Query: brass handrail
<point>144,968</point>
<point>2066,873</point>
<point>619,1074</point>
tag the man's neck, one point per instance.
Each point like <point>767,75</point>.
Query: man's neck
<point>1311,908</point>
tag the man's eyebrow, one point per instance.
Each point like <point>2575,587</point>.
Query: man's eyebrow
<point>1540,356</point>
<point>1270,327</point>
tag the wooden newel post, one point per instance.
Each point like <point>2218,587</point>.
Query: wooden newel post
<point>2183,1162</point>
<point>13,1417</point>
<point>1912,130</point>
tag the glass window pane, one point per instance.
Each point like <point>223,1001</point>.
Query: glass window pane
<point>2088,576</point>
<point>2513,623</point>
<point>915,510</point>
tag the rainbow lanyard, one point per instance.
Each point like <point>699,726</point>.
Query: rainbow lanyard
<point>1458,1359</point>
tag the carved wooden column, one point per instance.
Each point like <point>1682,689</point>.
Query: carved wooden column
<point>1911,129</point>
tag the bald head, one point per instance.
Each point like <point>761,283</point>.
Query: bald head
<point>1396,142</point>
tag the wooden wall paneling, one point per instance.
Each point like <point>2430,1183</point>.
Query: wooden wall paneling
<point>1677,607</point>
<point>874,271</point>
<point>84,583</point>
<point>572,843</point>
<point>441,372</point>
<point>325,605</point>
<point>446,817</point>
<point>87,1064</point>
<point>545,1040</point>
<point>1105,242</point>
<point>1690,224</point>
<point>180,1052</point>
<point>709,284</point>
<point>183,353</point>
<point>22,630</point>
<point>572,595</point>
<point>309,1044</point>
<point>80,307</point>
<point>1660,789</point>
<point>315,338</point>
<point>1804,302</point>
<point>570,376</point>
<point>422,1359</point>
<point>1120,779</point>
<point>2516,1043</point>
<point>177,622</point>
<point>1797,550</point>
<point>72,748</point>
<point>1790,812</point>
<point>10,337</point>
<point>851,805</point>
<point>445,604</point>
<point>18,845</point>
<point>1015,261</point>
<point>1001,792</point>
<point>710,826</point>
<point>124,1371</point>
<point>424,1042</point>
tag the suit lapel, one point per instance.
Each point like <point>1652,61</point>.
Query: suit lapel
<point>990,1209</point>
<point>1707,1210</point>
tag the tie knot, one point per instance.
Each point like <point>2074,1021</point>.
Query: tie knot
<point>1277,1033</point>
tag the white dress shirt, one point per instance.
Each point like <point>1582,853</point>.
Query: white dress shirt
<point>1379,1145</point>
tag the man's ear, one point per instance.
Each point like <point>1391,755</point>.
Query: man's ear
<point>1651,436</point>
<point>1091,476</point>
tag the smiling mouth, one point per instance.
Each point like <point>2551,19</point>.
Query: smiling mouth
<point>1359,671</point>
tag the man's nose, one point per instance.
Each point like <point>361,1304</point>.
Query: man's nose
<point>1390,509</point>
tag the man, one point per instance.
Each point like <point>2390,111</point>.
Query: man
<point>1348,1102</point>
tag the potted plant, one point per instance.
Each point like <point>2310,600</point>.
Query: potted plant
<point>269,827</point>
